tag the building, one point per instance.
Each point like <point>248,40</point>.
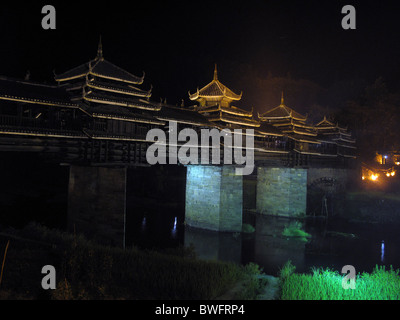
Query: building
<point>330,133</point>
<point>215,102</point>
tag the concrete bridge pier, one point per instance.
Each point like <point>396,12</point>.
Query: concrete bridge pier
<point>281,191</point>
<point>214,198</point>
<point>97,203</point>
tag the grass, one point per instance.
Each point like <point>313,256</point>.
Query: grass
<point>326,284</point>
<point>86,270</point>
<point>294,230</point>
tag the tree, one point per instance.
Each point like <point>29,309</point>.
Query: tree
<point>374,119</point>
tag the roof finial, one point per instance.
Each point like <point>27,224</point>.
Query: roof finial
<point>282,100</point>
<point>215,73</point>
<point>100,50</point>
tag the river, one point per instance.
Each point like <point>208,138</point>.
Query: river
<point>333,243</point>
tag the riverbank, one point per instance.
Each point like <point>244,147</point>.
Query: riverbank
<point>88,271</point>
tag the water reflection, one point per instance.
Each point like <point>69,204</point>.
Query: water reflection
<point>212,245</point>
<point>333,243</point>
<point>266,246</point>
<point>144,223</point>
<point>272,249</point>
<point>331,246</point>
<point>174,228</point>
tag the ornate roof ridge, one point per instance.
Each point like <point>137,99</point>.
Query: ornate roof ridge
<point>102,68</point>
<point>290,113</point>
<point>238,120</point>
<point>114,87</point>
<point>324,120</point>
<point>224,90</point>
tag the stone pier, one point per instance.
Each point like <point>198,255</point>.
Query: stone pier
<point>214,198</point>
<point>97,203</point>
<point>281,191</point>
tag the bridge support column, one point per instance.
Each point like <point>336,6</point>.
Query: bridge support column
<point>96,203</point>
<point>281,191</point>
<point>214,198</point>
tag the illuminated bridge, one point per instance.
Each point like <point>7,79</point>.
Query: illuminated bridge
<point>96,118</point>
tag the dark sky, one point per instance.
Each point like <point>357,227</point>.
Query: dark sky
<point>177,43</point>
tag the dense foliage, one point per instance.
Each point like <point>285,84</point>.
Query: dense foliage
<point>325,284</point>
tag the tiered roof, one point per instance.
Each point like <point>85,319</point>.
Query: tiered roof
<point>216,91</point>
<point>281,112</point>
<point>330,131</point>
<point>104,90</point>
<point>215,103</point>
<point>102,82</point>
<point>290,122</point>
<point>100,67</point>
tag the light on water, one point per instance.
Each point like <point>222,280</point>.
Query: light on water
<point>174,229</point>
<point>330,246</point>
<point>144,224</point>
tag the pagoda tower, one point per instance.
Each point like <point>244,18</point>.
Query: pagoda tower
<point>327,130</point>
<point>294,125</point>
<point>100,82</point>
<point>287,120</point>
<point>215,103</point>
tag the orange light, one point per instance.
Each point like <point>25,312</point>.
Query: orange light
<point>363,178</point>
<point>374,177</point>
<point>387,174</point>
<point>397,163</point>
<point>392,173</point>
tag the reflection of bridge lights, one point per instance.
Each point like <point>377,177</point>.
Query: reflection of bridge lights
<point>144,223</point>
<point>174,229</point>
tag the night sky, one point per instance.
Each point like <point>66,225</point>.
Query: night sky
<point>177,43</point>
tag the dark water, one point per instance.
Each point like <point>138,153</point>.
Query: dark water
<point>155,219</point>
<point>332,244</point>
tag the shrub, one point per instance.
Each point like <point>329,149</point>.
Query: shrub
<point>295,230</point>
